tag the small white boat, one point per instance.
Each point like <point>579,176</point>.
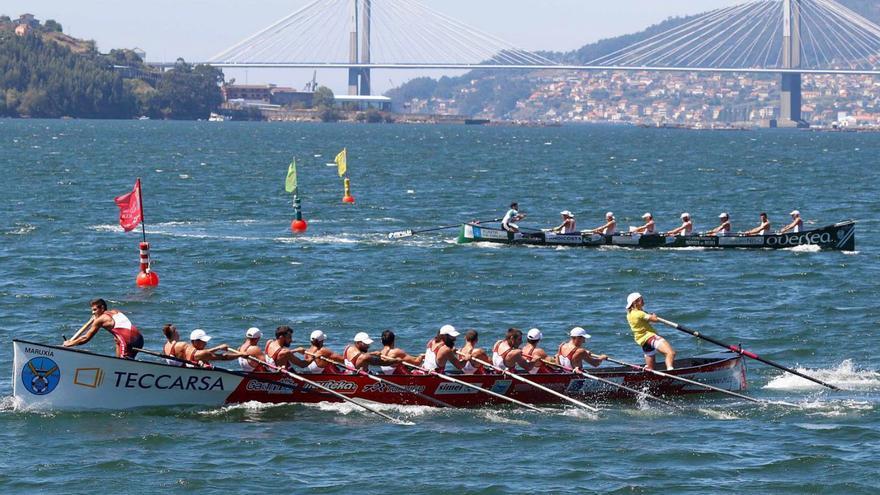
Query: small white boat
<point>216,117</point>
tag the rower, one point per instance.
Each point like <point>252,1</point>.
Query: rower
<point>317,352</point>
<point>571,355</point>
<point>441,350</point>
<point>686,227</point>
<point>763,229</point>
<point>609,227</point>
<point>173,347</point>
<point>279,353</point>
<point>644,334</point>
<point>568,224</point>
<point>125,334</point>
<point>251,348</point>
<point>390,351</point>
<point>197,353</point>
<point>724,228</point>
<point>506,353</point>
<point>648,227</point>
<point>357,355</point>
<point>470,353</point>
<point>508,223</point>
<point>535,354</point>
<point>797,224</point>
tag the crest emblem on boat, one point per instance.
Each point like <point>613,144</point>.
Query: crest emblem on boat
<point>40,375</point>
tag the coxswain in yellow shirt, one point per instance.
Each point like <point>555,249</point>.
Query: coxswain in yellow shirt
<point>644,334</point>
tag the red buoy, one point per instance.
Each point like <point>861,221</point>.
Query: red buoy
<point>298,226</point>
<point>146,277</point>
<point>347,197</point>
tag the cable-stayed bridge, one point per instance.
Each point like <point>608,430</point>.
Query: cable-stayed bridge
<point>787,37</point>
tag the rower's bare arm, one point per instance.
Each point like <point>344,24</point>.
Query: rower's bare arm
<point>85,337</point>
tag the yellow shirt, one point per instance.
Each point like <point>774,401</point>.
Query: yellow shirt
<point>638,322</point>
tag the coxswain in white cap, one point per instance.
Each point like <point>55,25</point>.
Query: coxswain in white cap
<point>644,334</point>
<point>610,226</point>
<point>648,227</point>
<point>317,352</point>
<point>390,350</point>
<point>723,229</point>
<point>535,354</point>
<point>251,348</point>
<point>571,355</point>
<point>198,353</point>
<point>470,353</point>
<point>279,353</point>
<point>506,353</point>
<point>763,229</point>
<point>357,355</point>
<point>568,225</point>
<point>797,224</point>
<point>441,350</point>
<point>686,227</point>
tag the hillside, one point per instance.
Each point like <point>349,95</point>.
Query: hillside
<point>46,73</point>
<point>505,95</point>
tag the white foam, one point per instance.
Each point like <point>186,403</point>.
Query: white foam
<point>845,376</point>
<point>249,406</point>
<point>495,417</point>
<point>22,229</point>
<point>804,248</point>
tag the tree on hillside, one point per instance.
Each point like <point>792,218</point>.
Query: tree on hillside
<point>323,97</point>
<point>186,92</point>
<point>52,25</point>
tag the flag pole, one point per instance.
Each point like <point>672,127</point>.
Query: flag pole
<point>141,200</point>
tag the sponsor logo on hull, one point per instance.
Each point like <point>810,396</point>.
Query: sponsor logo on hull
<point>798,239</point>
<point>381,387</point>
<point>147,381</point>
<point>449,388</point>
<point>88,377</point>
<point>40,375</point>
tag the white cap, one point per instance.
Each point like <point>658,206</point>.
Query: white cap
<point>632,298</point>
<point>448,330</point>
<point>646,215</point>
<point>317,335</point>
<point>724,215</point>
<point>199,334</point>
<point>566,213</point>
<point>534,334</point>
<point>685,215</point>
<point>609,214</point>
<point>363,338</point>
<point>253,333</point>
<point>795,212</point>
<point>579,332</point>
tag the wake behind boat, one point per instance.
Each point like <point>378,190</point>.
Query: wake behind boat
<point>55,377</point>
<point>840,236</point>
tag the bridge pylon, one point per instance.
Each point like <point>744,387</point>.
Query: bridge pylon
<point>790,91</point>
<point>359,79</point>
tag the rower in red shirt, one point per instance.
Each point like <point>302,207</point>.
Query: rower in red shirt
<point>125,334</point>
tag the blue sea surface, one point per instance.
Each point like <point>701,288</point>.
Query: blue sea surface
<point>218,220</point>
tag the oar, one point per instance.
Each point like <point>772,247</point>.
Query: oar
<point>537,386</point>
<point>743,352</point>
<point>82,328</point>
<point>326,389</point>
<point>383,381</point>
<point>472,386</point>
<point>609,382</point>
<point>700,384</point>
<point>409,233</point>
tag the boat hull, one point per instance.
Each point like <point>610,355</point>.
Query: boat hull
<point>840,236</point>
<point>52,377</point>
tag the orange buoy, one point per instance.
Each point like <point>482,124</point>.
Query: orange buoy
<point>298,226</point>
<point>146,277</point>
<point>347,197</point>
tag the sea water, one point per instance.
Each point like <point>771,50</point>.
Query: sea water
<point>217,218</point>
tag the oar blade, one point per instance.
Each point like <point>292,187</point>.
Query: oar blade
<point>403,234</point>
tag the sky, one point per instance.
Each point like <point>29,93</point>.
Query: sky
<point>197,29</point>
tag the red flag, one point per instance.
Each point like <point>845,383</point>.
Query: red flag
<point>130,214</point>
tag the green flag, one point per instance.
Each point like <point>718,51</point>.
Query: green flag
<point>290,183</point>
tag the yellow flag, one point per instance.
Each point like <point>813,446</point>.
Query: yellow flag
<point>341,161</point>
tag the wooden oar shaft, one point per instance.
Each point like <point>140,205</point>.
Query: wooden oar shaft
<point>83,328</point>
<point>536,385</point>
<point>609,382</point>
<point>377,379</point>
<point>472,386</point>
<point>743,352</point>
<point>325,389</point>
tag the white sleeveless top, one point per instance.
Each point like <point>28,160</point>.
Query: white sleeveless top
<point>566,230</point>
<point>468,368</point>
<point>725,229</point>
<point>764,231</point>
<point>430,362</point>
<point>687,230</point>
<point>609,230</point>
<point>797,228</point>
<point>650,229</point>
<point>387,370</point>
<point>348,363</point>
<point>497,358</point>
<point>121,321</point>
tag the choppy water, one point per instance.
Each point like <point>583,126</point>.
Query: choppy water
<point>218,220</point>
